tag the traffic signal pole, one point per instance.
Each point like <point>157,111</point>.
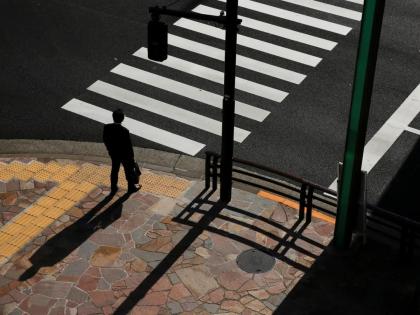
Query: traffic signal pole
<point>228,112</point>
<point>157,40</point>
<point>349,186</point>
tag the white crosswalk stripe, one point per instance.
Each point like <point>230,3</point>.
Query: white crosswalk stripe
<point>253,43</point>
<point>218,76</point>
<point>276,30</point>
<point>268,59</point>
<point>167,110</point>
<point>357,1</point>
<point>244,62</point>
<point>189,91</point>
<point>294,17</point>
<point>136,127</point>
<point>328,8</point>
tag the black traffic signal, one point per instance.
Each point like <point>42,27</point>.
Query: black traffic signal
<point>157,40</point>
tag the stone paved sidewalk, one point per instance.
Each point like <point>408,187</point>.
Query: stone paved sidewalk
<point>92,259</point>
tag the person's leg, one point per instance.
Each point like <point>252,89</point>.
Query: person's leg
<point>129,169</point>
<point>114,173</point>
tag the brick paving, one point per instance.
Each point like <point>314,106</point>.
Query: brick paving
<point>96,255</point>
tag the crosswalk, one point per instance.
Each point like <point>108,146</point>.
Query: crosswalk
<point>177,103</point>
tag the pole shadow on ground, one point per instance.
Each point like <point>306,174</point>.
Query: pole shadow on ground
<point>62,244</point>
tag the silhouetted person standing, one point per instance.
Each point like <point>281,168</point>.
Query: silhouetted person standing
<point>118,143</point>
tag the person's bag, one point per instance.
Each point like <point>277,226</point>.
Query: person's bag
<point>136,173</point>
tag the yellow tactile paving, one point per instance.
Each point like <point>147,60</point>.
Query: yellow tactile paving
<point>42,221</point>
<point>4,237</point>
<point>12,229</point>
<point>23,219</point>
<point>70,169</point>
<point>86,187</point>
<point>18,240</point>
<point>76,195</point>
<point>57,193</point>
<point>35,166</point>
<point>68,185</point>
<point>59,177</point>
<point>42,175</point>
<point>294,205</point>
<point>64,204</point>
<point>52,167</point>
<point>25,175</point>
<point>46,201</point>
<point>35,210</point>
<point>75,182</point>
<point>32,231</point>
<point>8,250</point>
<point>53,213</point>
<point>6,175</point>
<point>16,167</point>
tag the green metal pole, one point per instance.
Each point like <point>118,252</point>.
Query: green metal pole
<point>349,187</point>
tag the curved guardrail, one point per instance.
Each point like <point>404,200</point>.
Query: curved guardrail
<point>309,195</point>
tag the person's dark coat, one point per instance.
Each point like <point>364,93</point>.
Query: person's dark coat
<point>117,141</point>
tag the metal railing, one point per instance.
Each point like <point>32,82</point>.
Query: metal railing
<point>310,195</point>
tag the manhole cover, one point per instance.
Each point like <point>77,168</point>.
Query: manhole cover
<point>255,261</point>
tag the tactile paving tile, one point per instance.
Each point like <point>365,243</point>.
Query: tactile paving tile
<point>42,222</point>
<point>23,219</point>
<point>12,229</point>
<point>19,240</point>
<point>70,169</point>
<point>3,237</point>
<point>16,166</point>
<point>35,210</point>
<point>24,175</point>
<point>6,175</point>
<point>86,187</point>
<point>42,176</point>
<point>57,193</point>
<point>53,213</point>
<point>7,250</point>
<point>32,231</point>
<point>46,201</point>
<point>34,166</point>
<point>59,177</point>
<point>52,167</point>
<point>68,185</point>
<point>76,195</point>
<point>64,204</point>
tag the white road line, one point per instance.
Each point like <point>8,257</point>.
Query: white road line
<point>244,62</point>
<point>217,76</point>
<point>276,30</point>
<point>188,91</point>
<point>164,109</point>
<point>357,1</point>
<point>253,43</point>
<point>328,8</point>
<point>294,17</point>
<point>413,130</point>
<point>137,128</point>
<point>389,132</point>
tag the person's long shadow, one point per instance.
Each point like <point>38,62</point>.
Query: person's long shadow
<point>62,244</point>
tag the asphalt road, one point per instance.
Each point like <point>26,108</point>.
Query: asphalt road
<point>52,51</point>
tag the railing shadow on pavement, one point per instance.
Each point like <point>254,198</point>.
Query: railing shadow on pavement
<point>139,293</point>
<point>66,241</point>
<point>287,241</point>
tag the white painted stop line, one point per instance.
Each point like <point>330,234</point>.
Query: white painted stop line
<point>389,132</point>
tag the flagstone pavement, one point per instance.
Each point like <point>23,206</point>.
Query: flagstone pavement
<point>93,255</point>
